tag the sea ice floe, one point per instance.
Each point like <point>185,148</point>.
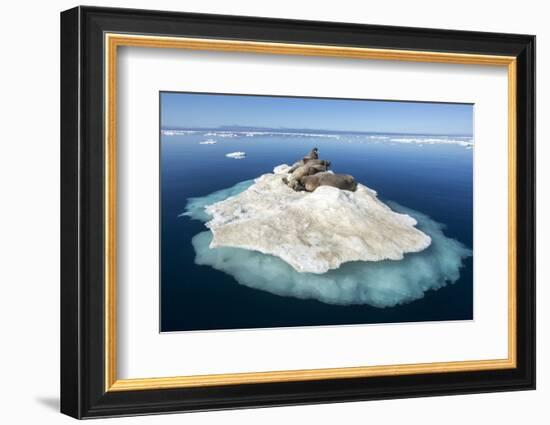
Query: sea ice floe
<point>313,232</point>
<point>380,284</point>
<point>236,155</point>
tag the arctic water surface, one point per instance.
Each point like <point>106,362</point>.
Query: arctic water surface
<point>426,175</point>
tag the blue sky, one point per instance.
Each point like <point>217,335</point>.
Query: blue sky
<point>189,110</point>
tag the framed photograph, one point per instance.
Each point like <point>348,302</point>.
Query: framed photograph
<point>261,212</point>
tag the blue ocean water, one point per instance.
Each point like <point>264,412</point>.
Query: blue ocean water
<point>430,174</point>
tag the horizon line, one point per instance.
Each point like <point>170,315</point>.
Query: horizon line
<point>243,128</point>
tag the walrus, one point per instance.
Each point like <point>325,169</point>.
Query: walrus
<point>295,185</point>
<point>308,169</point>
<point>340,181</point>
<point>317,162</point>
<point>303,162</point>
<point>302,172</point>
<point>312,155</point>
<point>295,165</point>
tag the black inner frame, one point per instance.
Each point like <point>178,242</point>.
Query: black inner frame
<point>82,206</point>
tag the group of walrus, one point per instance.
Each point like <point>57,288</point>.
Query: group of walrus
<point>311,172</point>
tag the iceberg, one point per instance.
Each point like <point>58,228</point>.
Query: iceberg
<point>313,232</point>
<point>377,283</point>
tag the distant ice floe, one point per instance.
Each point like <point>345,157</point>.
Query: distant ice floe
<point>380,284</point>
<point>223,134</point>
<point>434,141</point>
<point>208,142</point>
<point>177,132</point>
<point>392,139</point>
<point>236,155</point>
<point>269,133</point>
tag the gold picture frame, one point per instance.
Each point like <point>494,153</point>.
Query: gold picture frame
<point>114,41</point>
<point>91,40</point>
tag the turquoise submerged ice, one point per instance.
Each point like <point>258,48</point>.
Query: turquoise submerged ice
<point>381,284</point>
